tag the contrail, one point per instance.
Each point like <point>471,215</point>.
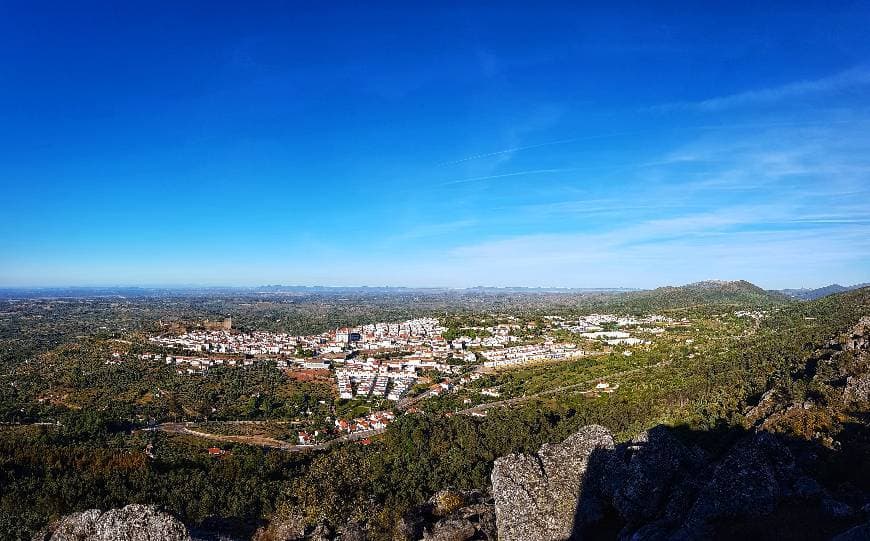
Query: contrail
<point>514,174</point>
<point>539,145</point>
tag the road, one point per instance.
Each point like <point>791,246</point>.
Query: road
<point>406,403</point>
<point>262,441</point>
<point>272,443</point>
<point>520,399</point>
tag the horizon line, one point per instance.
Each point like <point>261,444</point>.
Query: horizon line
<point>190,286</point>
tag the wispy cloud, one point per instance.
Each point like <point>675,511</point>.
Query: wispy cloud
<point>515,149</point>
<point>774,201</point>
<point>589,169</point>
<point>505,175</point>
<point>845,80</point>
<point>682,249</point>
<point>585,207</point>
<point>433,230</point>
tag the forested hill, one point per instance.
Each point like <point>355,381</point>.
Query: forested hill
<point>818,293</point>
<point>711,292</point>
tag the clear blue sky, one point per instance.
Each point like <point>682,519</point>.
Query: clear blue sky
<point>340,144</point>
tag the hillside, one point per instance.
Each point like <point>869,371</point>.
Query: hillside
<point>712,381</point>
<point>710,292</point>
<point>795,467</point>
<point>789,463</point>
<point>818,293</point>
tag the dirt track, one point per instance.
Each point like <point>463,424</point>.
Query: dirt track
<point>520,399</point>
<point>262,441</point>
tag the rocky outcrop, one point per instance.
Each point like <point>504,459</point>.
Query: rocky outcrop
<point>288,525</point>
<point>652,478</point>
<point>857,391</point>
<point>856,394</point>
<point>352,531</point>
<point>751,480</point>
<point>537,496</point>
<point>769,404</point>
<point>450,515</point>
<point>655,487</point>
<point>859,337</point>
<point>451,529</point>
<point>291,526</point>
<point>858,533</point>
<point>74,526</point>
<point>131,523</point>
<point>841,368</point>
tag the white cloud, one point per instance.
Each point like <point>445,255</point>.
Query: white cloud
<point>851,78</point>
<point>786,205</point>
<point>775,258</point>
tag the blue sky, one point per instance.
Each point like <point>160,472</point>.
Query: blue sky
<point>342,144</point>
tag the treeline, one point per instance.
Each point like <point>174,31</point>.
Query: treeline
<point>82,375</point>
<point>46,474</point>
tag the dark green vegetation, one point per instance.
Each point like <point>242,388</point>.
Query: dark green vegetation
<point>95,458</point>
<point>80,376</point>
<point>710,293</point>
<point>818,293</point>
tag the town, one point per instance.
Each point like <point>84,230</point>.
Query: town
<point>401,363</point>
<point>385,359</point>
<point>372,374</point>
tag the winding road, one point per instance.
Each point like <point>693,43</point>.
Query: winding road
<point>263,441</point>
<point>479,409</point>
<point>272,443</point>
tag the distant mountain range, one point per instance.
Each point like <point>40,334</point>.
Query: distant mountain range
<point>705,292</point>
<point>477,289</point>
<point>812,294</point>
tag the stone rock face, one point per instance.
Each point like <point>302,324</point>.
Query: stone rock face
<point>858,533</point>
<point>73,526</point>
<point>750,481</point>
<point>857,390</point>
<point>451,529</point>
<point>859,338</point>
<point>661,489</point>
<point>288,527</point>
<point>450,515</point>
<point>653,476</point>
<point>131,523</point>
<point>411,525</point>
<point>321,532</point>
<point>537,496</point>
<point>353,531</point>
<point>767,405</point>
<point>682,484</point>
<point>654,488</point>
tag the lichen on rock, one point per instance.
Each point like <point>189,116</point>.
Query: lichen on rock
<point>135,522</point>
<point>537,496</point>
